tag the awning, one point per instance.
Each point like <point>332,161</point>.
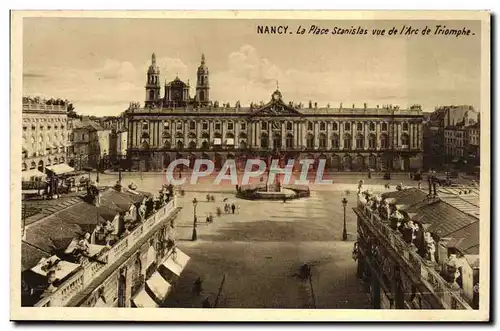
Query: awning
<point>62,168</point>
<point>178,264</point>
<point>28,175</point>
<point>159,286</point>
<point>229,141</point>
<point>143,300</point>
<point>217,141</point>
<point>61,268</point>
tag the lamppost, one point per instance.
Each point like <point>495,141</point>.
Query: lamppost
<point>194,236</point>
<point>344,232</point>
<point>98,166</point>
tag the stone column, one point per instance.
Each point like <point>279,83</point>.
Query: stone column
<point>198,133</point>
<point>366,130</point>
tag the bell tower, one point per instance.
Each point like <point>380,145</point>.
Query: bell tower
<point>202,83</point>
<point>153,83</point>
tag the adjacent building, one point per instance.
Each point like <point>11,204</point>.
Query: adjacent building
<point>439,148</point>
<point>419,250</point>
<point>474,143</point>
<point>349,138</point>
<point>90,144</point>
<point>45,136</point>
<point>109,248</point>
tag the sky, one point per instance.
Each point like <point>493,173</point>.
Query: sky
<point>100,64</point>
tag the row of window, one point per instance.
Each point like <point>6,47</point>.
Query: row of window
<point>41,127</point>
<point>265,126</point>
<point>33,165</point>
<point>310,142</point>
<point>36,120</point>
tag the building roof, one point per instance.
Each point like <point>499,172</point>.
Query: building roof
<point>87,125</point>
<point>53,232</point>
<point>448,216</point>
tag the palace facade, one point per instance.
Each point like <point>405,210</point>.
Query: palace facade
<point>384,138</point>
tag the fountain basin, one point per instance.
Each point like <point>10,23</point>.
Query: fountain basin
<point>261,192</point>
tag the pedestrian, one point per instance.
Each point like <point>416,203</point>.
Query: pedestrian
<point>206,303</point>
<point>284,199</point>
<point>419,184</point>
<point>211,218</point>
<point>212,198</point>
<point>219,211</point>
<point>208,197</point>
<point>233,207</point>
<point>197,286</point>
<point>208,220</point>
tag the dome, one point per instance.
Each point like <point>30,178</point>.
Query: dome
<point>177,82</point>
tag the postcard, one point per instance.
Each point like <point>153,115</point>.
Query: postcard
<point>250,165</point>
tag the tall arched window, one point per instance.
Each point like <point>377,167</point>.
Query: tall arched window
<point>322,126</point>
<point>310,141</point>
<point>372,126</point>
<point>360,141</point>
<point>372,141</point>
<point>384,126</point>
<point>347,141</point>
<point>289,126</point>
<point>277,141</point>
<point>405,141</point>
<point>322,140</point>
<point>264,141</point>
<point>335,126</point>
<point>335,141</point>
<point>405,126</point>
<point>310,126</point>
<point>289,140</point>
<point>384,141</point>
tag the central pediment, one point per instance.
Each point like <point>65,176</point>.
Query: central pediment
<point>276,107</point>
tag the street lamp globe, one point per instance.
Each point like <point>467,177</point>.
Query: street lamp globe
<point>195,201</point>
<point>344,202</point>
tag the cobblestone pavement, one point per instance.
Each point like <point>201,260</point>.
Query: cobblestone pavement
<point>260,249</point>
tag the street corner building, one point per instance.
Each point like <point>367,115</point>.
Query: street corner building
<point>419,251</point>
<point>348,138</point>
<point>111,247</point>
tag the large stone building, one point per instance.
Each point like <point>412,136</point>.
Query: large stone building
<point>45,136</point>
<point>419,251</point>
<point>348,138</point>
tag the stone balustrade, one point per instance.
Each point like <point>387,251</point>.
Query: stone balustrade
<point>430,277</point>
<point>90,270</point>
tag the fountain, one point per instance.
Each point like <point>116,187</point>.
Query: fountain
<point>273,191</point>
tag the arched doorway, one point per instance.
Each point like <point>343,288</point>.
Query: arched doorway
<point>372,162</point>
<point>347,161</point>
<point>192,145</point>
<point>326,160</point>
<point>166,160</point>
<point>360,162</point>
<point>192,160</point>
<point>217,161</point>
<point>336,162</point>
<point>41,166</point>
<point>405,163</point>
<point>204,167</point>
